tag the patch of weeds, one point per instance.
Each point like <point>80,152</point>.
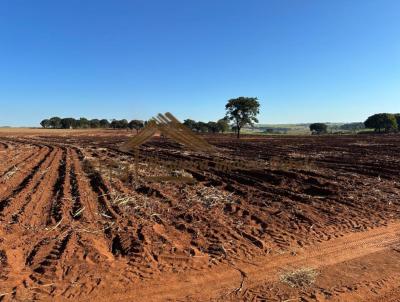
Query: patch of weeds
<point>300,278</point>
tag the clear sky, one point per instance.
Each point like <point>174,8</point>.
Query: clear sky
<point>306,60</point>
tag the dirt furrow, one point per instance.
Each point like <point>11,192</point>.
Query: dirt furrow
<point>55,214</point>
<point>19,183</point>
<point>35,189</point>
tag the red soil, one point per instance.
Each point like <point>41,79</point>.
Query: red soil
<point>69,231</point>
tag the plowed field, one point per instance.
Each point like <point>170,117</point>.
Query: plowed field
<point>76,222</point>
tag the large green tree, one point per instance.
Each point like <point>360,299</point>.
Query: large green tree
<point>382,121</point>
<point>242,111</point>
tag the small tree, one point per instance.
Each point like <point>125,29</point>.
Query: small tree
<point>136,124</point>
<point>223,125</point>
<point>318,128</point>
<point>45,123</point>
<point>382,121</point>
<point>114,124</point>
<point>242,111</point>
<point>191,124</point>
<point>123,124</point>
<point>212,127</point>
<point>119,124</point>
<point>201,127</point>
<point>104,123</point>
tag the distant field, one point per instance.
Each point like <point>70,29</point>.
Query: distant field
<point>296,129</point>
<point>260,129</point>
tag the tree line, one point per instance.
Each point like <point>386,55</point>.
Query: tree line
<point>221,125</point>
<point>84,123</point>
<point>241,111</point>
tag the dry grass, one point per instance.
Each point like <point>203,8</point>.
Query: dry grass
<point>181,173</point>
<point>300,278</point>
<point>143,207</point>
<point>10,173</point>
<point>123,199</point>
<point>208,196</point>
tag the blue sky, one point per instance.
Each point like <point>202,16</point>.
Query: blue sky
<point>306,61</point>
